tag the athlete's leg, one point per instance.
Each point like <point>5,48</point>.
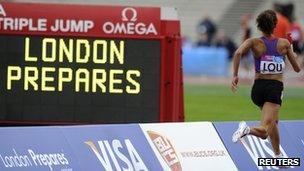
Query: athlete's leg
<point>243,130</point>
<point>273,132</point>
<point>269,120</point>
<point>260,131</point>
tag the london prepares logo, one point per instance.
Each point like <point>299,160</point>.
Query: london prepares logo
<point>166,149</point>
<point>34,159</point>
<point>117,155</point>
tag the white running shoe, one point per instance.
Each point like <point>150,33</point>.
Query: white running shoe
<point>241,131</point>
<point>279,156</point>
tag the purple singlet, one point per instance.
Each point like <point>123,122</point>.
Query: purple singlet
<point>271,62</point>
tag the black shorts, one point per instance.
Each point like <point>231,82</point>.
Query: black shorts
<point>267,91</point>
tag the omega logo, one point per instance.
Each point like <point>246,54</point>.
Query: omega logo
<point>129,25</point>
<point>124,14</point>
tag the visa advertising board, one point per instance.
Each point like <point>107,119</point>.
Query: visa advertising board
<point>111,147</point>
<point>141,147</point>
<point>245,153</point>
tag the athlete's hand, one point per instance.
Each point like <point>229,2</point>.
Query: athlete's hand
<point>289,38</point>
<point>234,83</point>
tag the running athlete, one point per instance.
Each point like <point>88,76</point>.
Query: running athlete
<point>269,54</point>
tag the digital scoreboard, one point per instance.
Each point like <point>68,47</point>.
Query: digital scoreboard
<point>88,64</point>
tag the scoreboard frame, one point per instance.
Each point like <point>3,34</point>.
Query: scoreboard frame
<point>115,22</point>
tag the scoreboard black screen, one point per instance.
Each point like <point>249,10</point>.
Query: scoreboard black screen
<point>75,79</point>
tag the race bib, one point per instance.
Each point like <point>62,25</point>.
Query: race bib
<point>272,65</point>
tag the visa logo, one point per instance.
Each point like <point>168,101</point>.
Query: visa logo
<point>111,155</point>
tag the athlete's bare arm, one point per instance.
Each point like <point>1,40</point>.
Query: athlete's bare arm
<point>291,56</point>
<point>243,49</point>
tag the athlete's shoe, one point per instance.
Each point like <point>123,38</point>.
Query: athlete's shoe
<point>241,131</point>
<point>279,156</point>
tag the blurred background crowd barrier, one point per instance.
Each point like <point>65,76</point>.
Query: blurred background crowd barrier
<point>205,61</point>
